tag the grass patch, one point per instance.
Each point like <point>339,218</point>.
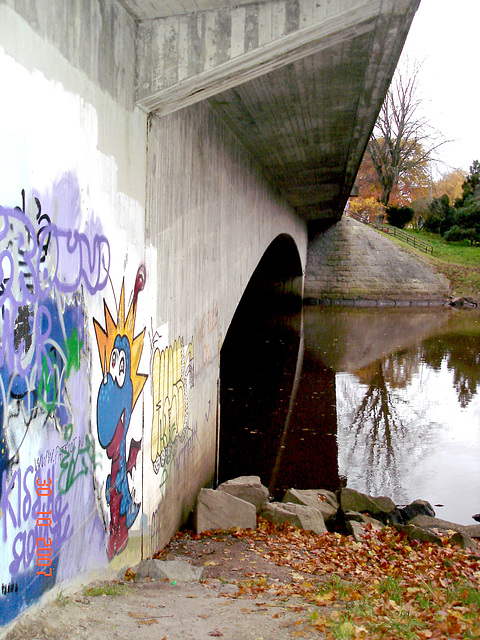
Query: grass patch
<point>450,252</point>
<point>61,600</point>
<point>342,589</point>
<point>458,261</point>
<point>391,589</point>
<point>107,589</point>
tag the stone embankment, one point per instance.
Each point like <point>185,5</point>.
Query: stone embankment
<point>237,503</point>
<point>352,264</point>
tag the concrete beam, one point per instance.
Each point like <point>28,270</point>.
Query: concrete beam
<point>159,87</point>
<point>148,10</point>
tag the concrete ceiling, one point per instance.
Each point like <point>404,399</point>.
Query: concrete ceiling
<point>303,103</point>
<point>307,124</point>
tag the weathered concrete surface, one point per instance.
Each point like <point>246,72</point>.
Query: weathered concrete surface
<point>98,38</point>
<point>352,262</point>
<point>173,215</point>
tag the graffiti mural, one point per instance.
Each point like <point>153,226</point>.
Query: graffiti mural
<point>172,377</point>
<point>42,333</point>
<point>47,453</point>
<point>120,352</point>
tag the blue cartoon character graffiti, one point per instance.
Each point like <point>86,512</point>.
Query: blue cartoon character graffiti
<point>119,391</point>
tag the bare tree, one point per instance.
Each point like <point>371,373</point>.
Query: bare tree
<point>403,142</point>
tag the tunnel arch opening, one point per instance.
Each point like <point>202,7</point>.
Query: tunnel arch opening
<point>258,361</point>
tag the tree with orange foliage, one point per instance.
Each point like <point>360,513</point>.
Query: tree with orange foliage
<point>402,145</point>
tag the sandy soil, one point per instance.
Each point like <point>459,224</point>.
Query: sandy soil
<point>220,605</point>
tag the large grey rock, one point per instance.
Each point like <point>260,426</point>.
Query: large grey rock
<point>299,515</point>
<point>313,498</point>
<point>416,508</point>
<point>427,528</point>
<point>248,488</point>
<point>351,500</point>
<point>355,529</point>
<point>178,570</point>
<point>473,530</point>
<point>463,540</point>
<point>417,533</point>
<point>329,496</point>
<point>355,516</point>
<point>428,522</point>
<point>220,510</point>
<point>358,529</point>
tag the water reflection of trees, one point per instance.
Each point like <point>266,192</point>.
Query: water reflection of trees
<point>387,431</point>
<point>462,356</point>
<point>381,424</point>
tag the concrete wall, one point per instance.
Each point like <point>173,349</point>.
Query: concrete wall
<point>111,326</point>
<point>210,218</point>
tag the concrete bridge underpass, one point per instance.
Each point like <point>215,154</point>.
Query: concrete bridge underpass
<point>154,154</point>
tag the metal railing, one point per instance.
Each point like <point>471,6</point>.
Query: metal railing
<point>396,233</point>
<point>406,237</point>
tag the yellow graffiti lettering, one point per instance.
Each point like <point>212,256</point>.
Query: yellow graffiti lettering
<point>170,369</point>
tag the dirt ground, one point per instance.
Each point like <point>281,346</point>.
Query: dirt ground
<point>220,605</point>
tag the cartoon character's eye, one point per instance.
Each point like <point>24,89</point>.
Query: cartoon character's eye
<point>118,361</point>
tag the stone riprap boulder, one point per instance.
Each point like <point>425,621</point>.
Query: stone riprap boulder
<point>298,515</point>
<point>357,528</point>
<point>178,570</point>
<point>426,528</point>
<point>355,516</point>
<point>418,533</point>
<point>329,497</point>
<point>416,508</point>
<point>321,500</point>
<point>220,510</point>
<point>378,507</point>
<point>428,522</point>
<point>355,524</point>
<point>473,530</point>
<point>248,488</point>
<point>463,540</point>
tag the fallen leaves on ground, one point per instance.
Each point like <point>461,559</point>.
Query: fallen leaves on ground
<point>386,587</point>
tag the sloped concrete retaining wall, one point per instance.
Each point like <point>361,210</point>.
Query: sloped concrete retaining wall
<point>351,264</point>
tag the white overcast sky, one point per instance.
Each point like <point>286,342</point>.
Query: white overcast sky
<point>445,34</point>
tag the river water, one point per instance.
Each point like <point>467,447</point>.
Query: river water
<point>384,401</point>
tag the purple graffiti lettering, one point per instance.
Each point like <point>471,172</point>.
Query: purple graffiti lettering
<point>42,318</point>
<point>78,261</point>
<point>6,507</point>
<point>7,267</point>
<point>26,552</point>
<point>27,500</point>
<point>73,257</point>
